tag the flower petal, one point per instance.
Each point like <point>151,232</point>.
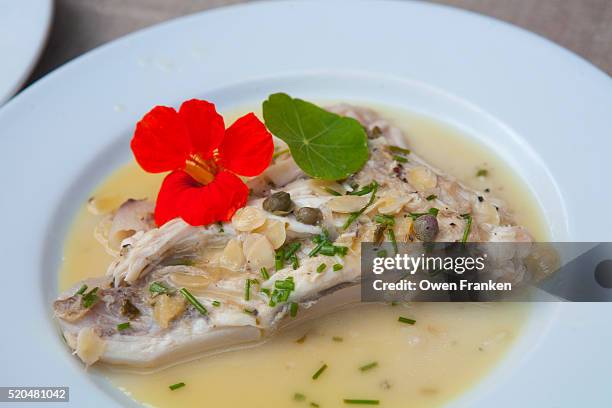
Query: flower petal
<point>205,126</point>
<point>197,204</point>
<point>247,147</point>
<point>161,141</point>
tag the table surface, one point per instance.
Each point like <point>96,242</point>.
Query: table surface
<point>583,26</point>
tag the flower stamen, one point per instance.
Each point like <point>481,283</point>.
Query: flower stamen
<point>203,171</point>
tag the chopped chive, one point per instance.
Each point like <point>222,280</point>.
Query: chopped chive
<point>321,268</point>
<point>247,289</point>
<point>356,215</point>
<point>249,311</point>
<point>468,226</point>
<point>191,299</point>
<point>368,366</point>
<point>327,249</point>
<point>382,253</point>
<point>406,320</point>
<point>332,191</point>
<point>90,298</point>
<point>299,397</point>
<point>216,303</point>
<point>295,263</point>
<point>123,326</point>
<point>384,219</point>
<point>265,291</point>
<point>264,273</point>
<point>397,149</point>
<point>314,404</point>
<point>361,401</point>
<point>284,284</point>
<point>81,290</point>
<point>293,309</point>
<point>431,197</point>
<point>337,339</point>
<point>291,249</point>
<point>400,159</point>
<point>432,211</point>
<point>365,190</point>
<point>319,372</point>
<point>176,386</point>
<point>158,288</point>
<point>341,250</point>
<point>337,267</point>
<point>279,259</point>
<point>482,173</point>
<point>391,236</point>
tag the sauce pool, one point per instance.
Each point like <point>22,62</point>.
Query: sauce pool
<point>447,350</point>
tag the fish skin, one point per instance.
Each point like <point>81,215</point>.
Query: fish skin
<point>147,256</point>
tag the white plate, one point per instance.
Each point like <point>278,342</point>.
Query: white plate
<point>24,25</point>
<point>544,110</point>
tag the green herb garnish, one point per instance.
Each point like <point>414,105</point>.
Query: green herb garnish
<point>337,339</point>
<point>176,386</point>
<point>384,219</point>
<point>482,173</point>
<point>368,366</point>
<point>391,236</point>
<point>362,401</point>
<point>247,289</point>
<point>332,191</point>
<point>216,303</point>
<point>337,267</point>
<point>323,144</point>
<point>279,259</point>
<point>123,326</point>
<point>90,298</point>
<point>406,320</point>
<point>356,215</point>
<point>319,372</point>
<point>81,290</point>
<point>299,397</point>
<point>382,253</point>
<point>468,227</point>
<point>366,190</point>
<point>314,404</point>
<point>397,149</point>
<point>431,197</point>
<point>400,159</point>
<point>264,273</point>
<point>158,288</point>
<point>191,299</point>
<point>293,309</point>
<point>432,211</point>
<point>321,268</point>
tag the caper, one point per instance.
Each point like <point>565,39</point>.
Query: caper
<point>308,215</point>
<point>426,228</point>
<point>278,203</point>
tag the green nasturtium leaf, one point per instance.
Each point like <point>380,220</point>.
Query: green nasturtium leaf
<point>325,145</point>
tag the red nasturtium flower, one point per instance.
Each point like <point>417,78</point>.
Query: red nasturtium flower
<point>204,159</point>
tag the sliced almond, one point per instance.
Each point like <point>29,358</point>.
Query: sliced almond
<point>347,203</point>
<point>325,187</point>
<point>190,281</point>
<point>485,213</point>
<point>90,346</point>
<point>275,231</point>
<point>259,251</point>
<point>247,219</point>
<point>233,256</point>
<point>422,178</point>
<point>167,308</point>
<point>391,204</point>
